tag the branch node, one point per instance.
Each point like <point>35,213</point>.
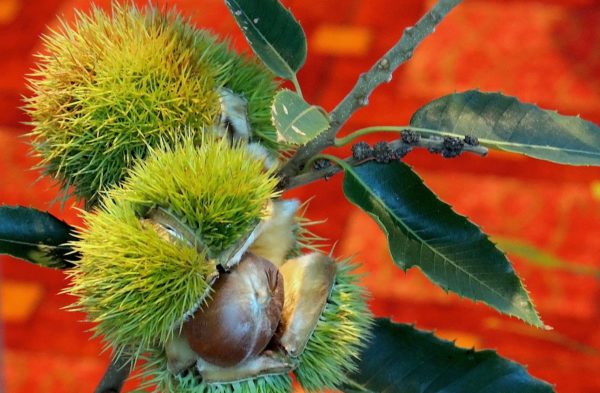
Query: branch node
<point>452,147</point>
<point>362,100</point>
<point>383,153</point>
<point>384,64</point>
<point>410,137</point>
<point>361,151</point>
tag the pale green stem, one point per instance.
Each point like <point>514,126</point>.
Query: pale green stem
<point>297,86</point>
<point>339,142</point>
<point>381,72</point>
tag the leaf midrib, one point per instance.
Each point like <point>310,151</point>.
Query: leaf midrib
<point>486,141</point>
<point>24,243</point>
<point>295,120</point>
<point>425,242</point>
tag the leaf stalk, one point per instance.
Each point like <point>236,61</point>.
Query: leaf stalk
<point>379,73</point>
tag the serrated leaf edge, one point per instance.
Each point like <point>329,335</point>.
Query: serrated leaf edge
<point>431,334</point>
<point>537,322</point>
<point>291,126</point>
<point>498,144</point>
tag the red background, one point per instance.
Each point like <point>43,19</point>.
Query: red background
<point>546,52</point>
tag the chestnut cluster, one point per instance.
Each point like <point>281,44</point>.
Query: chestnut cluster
<point>209,313</point>
<point>205,281</point>
<point>186,251</point>
<point>263,321</point>
<point>257,321</point>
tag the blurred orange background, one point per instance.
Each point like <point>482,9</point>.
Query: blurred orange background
<point>546,216</point>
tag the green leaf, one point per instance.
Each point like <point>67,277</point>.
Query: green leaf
<point>273,33</point>
<point>425,232</point>
<point>505,123</point>
<point>402,359</point>
<point>35,236</point>
<point>296,121</point>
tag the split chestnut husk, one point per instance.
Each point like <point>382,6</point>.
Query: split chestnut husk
<point>313,298</point>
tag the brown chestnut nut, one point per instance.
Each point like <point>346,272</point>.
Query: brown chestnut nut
<point>241,317</point>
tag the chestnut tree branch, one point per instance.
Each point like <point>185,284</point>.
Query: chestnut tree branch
<point>436,145</point>
<point>379,73</point>
<point>115,375</point>
<point>119,368</point>
<point>318,174</point>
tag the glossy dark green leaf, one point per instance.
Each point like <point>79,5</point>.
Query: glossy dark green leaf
<point>296,121</point>
<point>425,232</point>
<point>35,236</point>
<point>402,359</point>
<point>505,123</point>
<point>273,33</point>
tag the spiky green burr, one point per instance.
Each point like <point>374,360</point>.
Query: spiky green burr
<point>219,191</point>
<point>110,86</point>
<point>342,331</point>
<point>157,376</point>
<point>131,281</point>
